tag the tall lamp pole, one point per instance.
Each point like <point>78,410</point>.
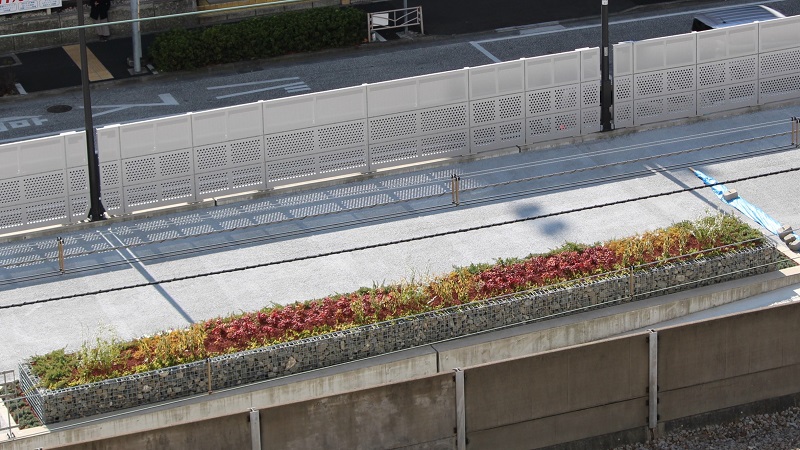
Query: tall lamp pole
<point>96,209</point>
<point>605,82</point>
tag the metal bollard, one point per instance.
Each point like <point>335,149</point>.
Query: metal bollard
<point>60,254</point>
<point>796,131</point>
<point>455,181</point>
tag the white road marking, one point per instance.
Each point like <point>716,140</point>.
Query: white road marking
<point>166,100</point>
<point>19,122</point>
<point>550,29</point>
<point>290,87</point>
<point>253,83</point>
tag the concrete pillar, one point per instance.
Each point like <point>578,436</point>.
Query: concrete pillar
<point>255,429</point>
<point>653,381</point>
<point>461,418</point>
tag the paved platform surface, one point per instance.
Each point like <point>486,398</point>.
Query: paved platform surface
<point>294,246</point>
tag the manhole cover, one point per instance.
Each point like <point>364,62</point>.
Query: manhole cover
<point>59,108</point>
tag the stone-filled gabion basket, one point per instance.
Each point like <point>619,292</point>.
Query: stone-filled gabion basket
<point>279,360</point>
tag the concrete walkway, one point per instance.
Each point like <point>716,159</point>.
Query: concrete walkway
<point>271,245</point>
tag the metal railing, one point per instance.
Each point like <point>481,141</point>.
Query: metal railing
<point>393,19</point>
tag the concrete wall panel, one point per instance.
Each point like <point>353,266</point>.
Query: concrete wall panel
<point>407,414</point>
<point>231,432</point>
<point>554,383</point>
<point>732,346</point>
<point>563,428</point>
<point>727,392</point>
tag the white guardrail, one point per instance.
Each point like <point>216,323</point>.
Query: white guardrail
<point>257,146</point>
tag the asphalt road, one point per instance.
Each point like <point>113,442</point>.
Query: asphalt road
<point>139,98</point>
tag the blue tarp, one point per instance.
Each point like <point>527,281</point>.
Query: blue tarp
<point>745,207</point>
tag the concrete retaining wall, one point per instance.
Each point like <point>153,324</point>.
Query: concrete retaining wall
<point>414,364</point>
<point>368,341</point>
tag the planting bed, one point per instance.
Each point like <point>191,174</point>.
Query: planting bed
<point>275,342</point>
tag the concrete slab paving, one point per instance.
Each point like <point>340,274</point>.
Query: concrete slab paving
<point>272,247</point>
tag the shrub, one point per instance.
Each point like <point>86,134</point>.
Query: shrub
<point>262,37</point>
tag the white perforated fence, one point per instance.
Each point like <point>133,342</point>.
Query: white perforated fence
<point>257,146</point>
<point>701,73</point>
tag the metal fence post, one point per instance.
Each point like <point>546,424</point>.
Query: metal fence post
<point>652,421</point>
<point>8,395</point>
<point>208,374</point>
<point>461,417</point>
<point>631,284</point>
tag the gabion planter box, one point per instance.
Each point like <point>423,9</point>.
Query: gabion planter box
<point>237,369</point>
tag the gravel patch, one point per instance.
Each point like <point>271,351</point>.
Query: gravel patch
<point>777,431</point>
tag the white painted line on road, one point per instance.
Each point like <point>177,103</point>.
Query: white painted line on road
<point>166,100</point>
<point>253,83</point>
<point>19,122</point>
<point>485,52</point>
<point>296,85</point>
<point>20,89</point>
<point>551,30</point>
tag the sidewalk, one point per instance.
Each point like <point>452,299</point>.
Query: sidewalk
<point>54,68</point>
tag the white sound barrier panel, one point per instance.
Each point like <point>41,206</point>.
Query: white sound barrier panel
<point>158,179</point>
<point>544,72</point>
<point>155,136</point>
<point>558,99</point>
<point>668,107</point>
<point>416,123</point>
<point>158,193</point>
<point>664,53</point>
<point>312,110</point>
<point>318,152</point>
<point>727,84</point>
<point>779,89</point>
<point>623,89</point>
<point>653,84</point>
<point>419,148</point>
<point>622,55</point>
<point>316,166</point>
<point>497,123</point>
<point>555,126</point>
<point>496,80</point>
<point>590,64</point>
<point>411,94</point>
<point>784,62</point>
<point>227,124</point>
<point>108,145</point>
<point>230,167</point>
<point>495,136</point>
<point>727,97</point>
<point>778,34</point>
<point>32,157</point>
<point>623,114</point>
<point>727,43</point>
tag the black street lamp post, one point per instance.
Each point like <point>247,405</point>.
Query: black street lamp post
<point>96,209</point>
<point>605,82</point>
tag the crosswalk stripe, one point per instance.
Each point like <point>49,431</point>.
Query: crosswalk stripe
<point>97,71</point>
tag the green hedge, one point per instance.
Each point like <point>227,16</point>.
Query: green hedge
<point>262,37</point>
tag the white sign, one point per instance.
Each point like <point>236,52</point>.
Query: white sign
<point>18,6</point>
